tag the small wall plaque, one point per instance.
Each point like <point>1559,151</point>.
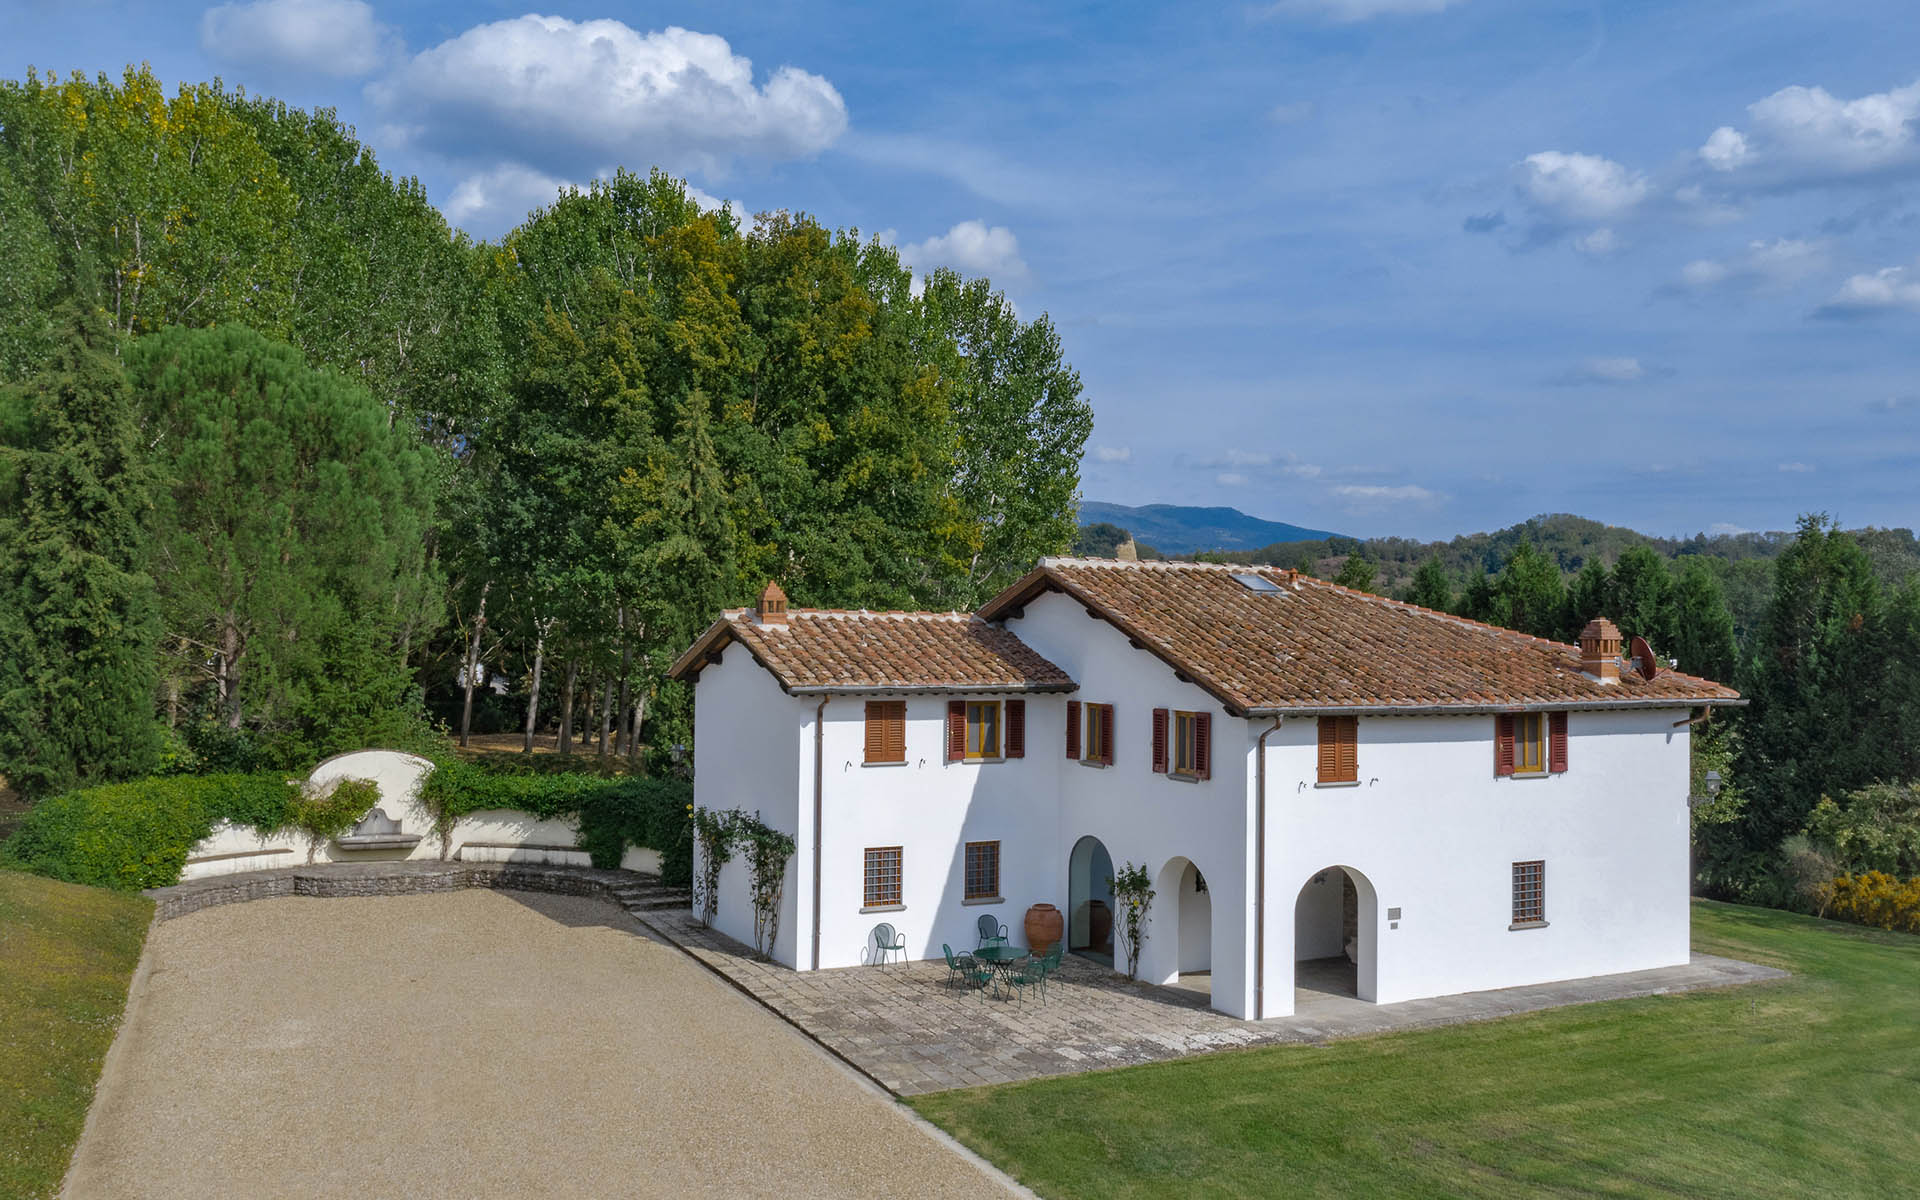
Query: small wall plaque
<point>1393,914</point>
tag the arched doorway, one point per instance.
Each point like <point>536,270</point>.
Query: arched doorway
<point>1183,917</point>
<point>1090,900</point>
<point>1334,923</point>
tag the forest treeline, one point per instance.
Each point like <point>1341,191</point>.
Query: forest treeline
<point>289,466</point>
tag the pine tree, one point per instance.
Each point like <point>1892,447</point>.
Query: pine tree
<point>1431,588</point>
<point>1357,572</point>
<point>78,616</point>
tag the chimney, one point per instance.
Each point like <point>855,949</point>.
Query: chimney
<point>1127,551</point>
<point>1600,650</point>
<point>773,608</point>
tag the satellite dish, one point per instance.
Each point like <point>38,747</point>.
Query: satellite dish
<point>1643,659</point>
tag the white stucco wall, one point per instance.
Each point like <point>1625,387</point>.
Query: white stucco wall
<point>747,749</point>
<point>1138,815</point>
<point>233,848</point>
<point>1435,834</point>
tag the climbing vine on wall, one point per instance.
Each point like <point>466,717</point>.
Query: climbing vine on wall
<point>717,832</point>
<point>322,816</point>
<point>767,851</point>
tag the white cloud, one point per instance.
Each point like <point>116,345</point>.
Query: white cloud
<point>1580,188</point>
<point>1383,492</point>
<point>1231,479</point>
<point>1762,265</point>
<point>567,96</point>
<point>1725,149</point>
<point>1346,12</point>
<point>1600,243</point>
<point>972,248</point>
<point>1884,290</point>
<point>1796,468</point>
<point>1112,454</point>
<point>501,197</point>
<point>1727,527</point>
<point>1290,114</point>
<point>1806,134</point>
<point>1615,370</point>
<point>324,37</point>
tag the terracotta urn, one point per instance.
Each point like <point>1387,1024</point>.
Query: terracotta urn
<point>1044,926</point>
<point>1099,925</point>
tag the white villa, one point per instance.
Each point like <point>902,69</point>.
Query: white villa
<point>1428,804</point>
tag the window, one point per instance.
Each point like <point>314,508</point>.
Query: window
<point>1339,750</point>
<point>1099,742</point>
<point>883,876</point>
<point>983,729</point>
<point>1529,894</point>
<point>1183,743</point>
<point>983,870</point>
<point>1527,756</point>
<point>886,731</point>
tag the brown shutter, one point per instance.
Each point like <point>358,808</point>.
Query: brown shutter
<point>1556,741</point>
<point>896,732</point>
<point>1073,729</point>
<point>1329,749</point>
<point>1203,745</point>
<point>1106,734</point>
<point>1016,729</point>
<point>1160,740</point>
<point>876,731</point>
<point>956,730</point>
<point>1503,744</point>
<point>1348,762</point>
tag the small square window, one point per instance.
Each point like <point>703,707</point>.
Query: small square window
<point>883,876</point>
<point>983,870</point>
<point>1530,893</point>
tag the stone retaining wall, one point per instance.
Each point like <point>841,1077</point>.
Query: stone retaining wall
<point>397,879</point>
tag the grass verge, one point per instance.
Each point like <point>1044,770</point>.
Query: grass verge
<point>1807,1086</point>
<point>66,955</point>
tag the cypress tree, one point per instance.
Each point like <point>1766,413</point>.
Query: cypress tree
<point>78,615</point>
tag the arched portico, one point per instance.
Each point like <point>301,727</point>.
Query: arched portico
<point>1090,899</point>
<point>1179,945</point>
<point>1335,942</point>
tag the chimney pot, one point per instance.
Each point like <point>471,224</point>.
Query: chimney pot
<point>1127,551</point>
<point>1600,650</point>
<point>773,605</point>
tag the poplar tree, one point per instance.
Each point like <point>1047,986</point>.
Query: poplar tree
<point>78,618</point>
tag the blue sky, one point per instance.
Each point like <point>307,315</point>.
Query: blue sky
<point>1412,267</point>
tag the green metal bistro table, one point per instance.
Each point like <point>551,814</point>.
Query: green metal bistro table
<point>1001,959</point>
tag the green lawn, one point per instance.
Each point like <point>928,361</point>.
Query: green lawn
<point>1808,1086</point>
<point>66,955</point>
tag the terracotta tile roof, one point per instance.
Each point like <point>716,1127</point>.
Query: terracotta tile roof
<point>820,650</point>
<point>1309,645</point>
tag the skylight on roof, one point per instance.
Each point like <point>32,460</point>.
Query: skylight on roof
<point>1256,583</point>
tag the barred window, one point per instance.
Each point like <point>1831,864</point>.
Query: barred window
<point>1530,893</point>
<point>983,870</point>
<point>883,876</point>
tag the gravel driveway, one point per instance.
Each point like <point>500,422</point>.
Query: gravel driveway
<point>473,1043</point>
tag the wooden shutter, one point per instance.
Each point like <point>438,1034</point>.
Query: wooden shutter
<point>886,731</point>
<point>956,730</point>
<point>1339,750</point>
<point>1016,729</point>
<point>1329,749</point>
<point>1160,740</point>
<point>1106,734</point>
<point>1203,745</point>
<point>1556,741</point>
<point>1503,744</point>
<point>1073,729</point>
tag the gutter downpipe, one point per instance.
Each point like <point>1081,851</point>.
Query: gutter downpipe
<point>1260,873</point>
<point>819,774</point>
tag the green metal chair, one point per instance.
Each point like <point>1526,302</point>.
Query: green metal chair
<point>1050,963</point>
<point>1032,974</point>
<point>963,968</point>
<point>990,929</point>
<point>886,940</point>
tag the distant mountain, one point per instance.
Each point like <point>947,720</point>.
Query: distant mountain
<point>1179,529</point>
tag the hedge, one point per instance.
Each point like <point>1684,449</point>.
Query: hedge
<point>136,835</point>
<point>1876,898</point>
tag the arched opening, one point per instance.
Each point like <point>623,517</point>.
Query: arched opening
<point>1334,923</point>
<point>1090,900</point>
<point>1183,915</point>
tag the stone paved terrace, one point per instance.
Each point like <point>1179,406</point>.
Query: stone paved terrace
<point>902,1026</point>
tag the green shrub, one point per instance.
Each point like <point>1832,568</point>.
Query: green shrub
<point>1876,828</point>
<point>321,817</point>
<point>136,835</point>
